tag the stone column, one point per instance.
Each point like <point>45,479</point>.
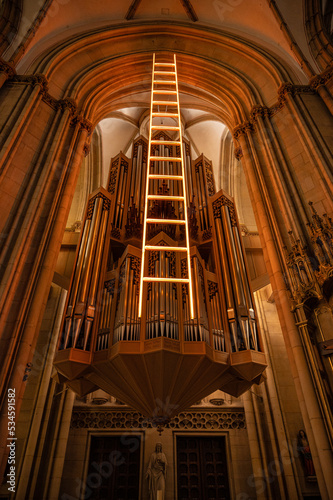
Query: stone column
<point>259,479</point>
<point>267,227</point>
<point>40,219</point>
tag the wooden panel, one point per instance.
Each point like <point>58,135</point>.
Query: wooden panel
<point>119,464</point>
<point>202,468</point>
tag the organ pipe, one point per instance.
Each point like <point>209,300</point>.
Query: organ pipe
<point>101,321</point>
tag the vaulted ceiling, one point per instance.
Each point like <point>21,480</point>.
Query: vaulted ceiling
<point>263,24</point>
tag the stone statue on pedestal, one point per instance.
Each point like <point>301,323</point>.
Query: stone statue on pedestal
<point>156,473</point>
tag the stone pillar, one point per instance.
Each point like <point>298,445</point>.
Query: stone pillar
<point>268,230</point>
<point>36,221</point>
<point>259,479</point>
<point>35,415</point>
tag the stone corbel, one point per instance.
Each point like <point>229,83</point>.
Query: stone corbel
<point>7,68</point>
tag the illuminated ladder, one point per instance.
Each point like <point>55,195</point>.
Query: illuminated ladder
<point>164,74</point>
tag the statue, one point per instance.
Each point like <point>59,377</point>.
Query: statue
<point>305,453</point>
<point>156,473</point>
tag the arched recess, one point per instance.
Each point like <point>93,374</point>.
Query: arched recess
<point>86,77</point>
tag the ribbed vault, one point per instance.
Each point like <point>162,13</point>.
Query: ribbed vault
<point>98,68</point>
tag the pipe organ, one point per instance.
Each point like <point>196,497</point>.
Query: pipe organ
<point>160,312</point>
<point>163,361</point>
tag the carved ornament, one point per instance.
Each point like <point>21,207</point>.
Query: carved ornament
<point>91,204</point>
<point>224,201</point>
<point>321,79</point>
<point>129,419</point>
<point>285,89</point>
<point>310,268</point>
<point>7,68</point>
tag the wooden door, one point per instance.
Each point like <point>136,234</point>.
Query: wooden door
<point>202,468</point>
<point>114,468</point>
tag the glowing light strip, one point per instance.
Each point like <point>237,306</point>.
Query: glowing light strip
<point>163,141</point>
<point>169,221</point>
<point>187,239</point>
<point>166,249</point>
<point>146,195</point>
<point>164,127</point>
<point>149,176</point>
<point>161,176</point>
<point>170,280</point>
<point>165,197</point>
<point>165,158</point>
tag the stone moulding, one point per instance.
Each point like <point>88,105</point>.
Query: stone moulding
<point>268,112</point>
<point>187,420</point>
<point>62,104</point>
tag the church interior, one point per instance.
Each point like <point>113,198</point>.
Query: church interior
<point>166,256</point>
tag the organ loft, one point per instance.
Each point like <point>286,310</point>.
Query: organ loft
<point>138,322</point>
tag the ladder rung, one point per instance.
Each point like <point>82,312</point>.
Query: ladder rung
<point>164,72</point>
<point>166,249</point>
<point>164,197</point>
<point>165,158</point>
<point>170,280</point>
<point>166,103</point>
<point>164,64</point>
<point>169,221</point>
<point>165,141</point>
<point>166,177</point>
<point>165,114</point>
<point>166,82</point>
<point>162,91</point>
<point>164,127</point>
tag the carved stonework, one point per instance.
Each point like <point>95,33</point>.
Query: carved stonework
<point>245,231</point>
<point>69,104</point>
<point>33,80</point>
<point>242,129</point>
<point>322,239</point>
<point>7,68</point>
<point>50,101</point>
<point>264,111</point>
<point>238,153</point>
<point>301,274</point>
<point>84,123</point>
<point>322,79</point>
<point>76,227</point>
<point>259,111</point>
<point>189,420</point>
<point>309,270</point>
